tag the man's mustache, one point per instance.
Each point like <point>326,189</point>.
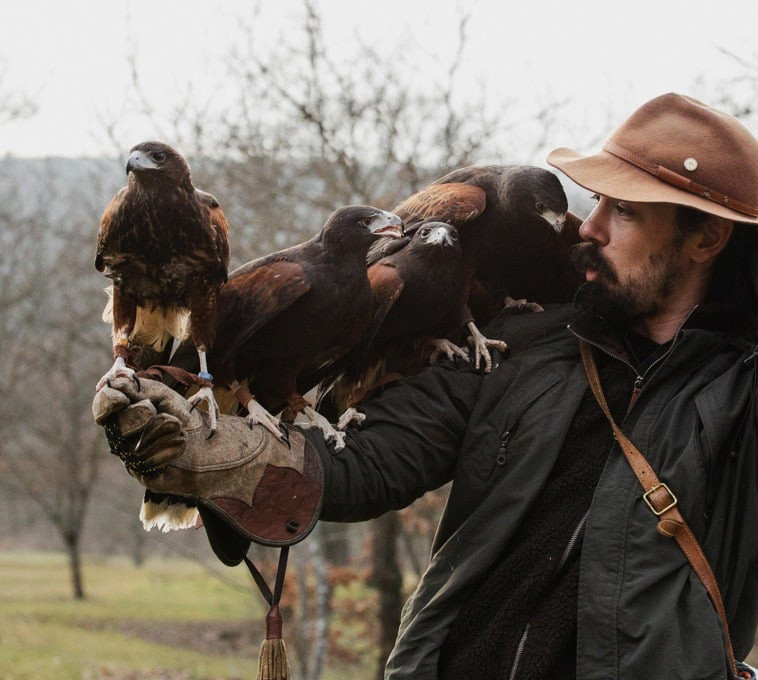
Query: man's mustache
<point>587,255</point>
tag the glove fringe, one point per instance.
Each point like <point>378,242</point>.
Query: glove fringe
<point>168,515</point>
<point>272,660</point>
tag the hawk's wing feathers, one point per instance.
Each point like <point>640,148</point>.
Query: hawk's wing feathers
<point>454,203</point>
<point>386,285</point>
<point>106,222</point>
<point>260,295</point>
<point>219,225</point>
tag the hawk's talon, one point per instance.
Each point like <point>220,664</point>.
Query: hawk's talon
<point>350,416</point>
<point>522,305</point>
<point>444,346</point>
<point>206,394</point>
<point>480,345</point>
<point>316,420</point>
<point>118,369</point>
<point>258,415</point>
<point>285,434</point>
<point>139,441</point>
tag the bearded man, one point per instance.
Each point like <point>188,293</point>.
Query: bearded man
<point>603,517</point>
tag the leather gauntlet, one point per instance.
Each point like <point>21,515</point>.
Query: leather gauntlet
<point>242,479</point>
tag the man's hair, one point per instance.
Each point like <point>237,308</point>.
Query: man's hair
<point>689,220</point>
<point>730,282</point>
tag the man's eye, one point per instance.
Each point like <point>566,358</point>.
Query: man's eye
<point>595,198</point>
<point>622,209</point>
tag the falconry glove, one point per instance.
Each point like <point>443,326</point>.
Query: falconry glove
<point>247,484</point>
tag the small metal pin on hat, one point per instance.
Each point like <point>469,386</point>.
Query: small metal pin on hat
<point>690,164</point>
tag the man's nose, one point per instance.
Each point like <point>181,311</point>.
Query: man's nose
<point>593,228</point>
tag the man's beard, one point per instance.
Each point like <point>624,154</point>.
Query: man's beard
<point>624,304</point>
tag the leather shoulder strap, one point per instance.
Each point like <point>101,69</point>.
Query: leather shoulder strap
<point>661,501</point>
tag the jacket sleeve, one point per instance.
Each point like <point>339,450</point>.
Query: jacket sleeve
<point>407,446</point>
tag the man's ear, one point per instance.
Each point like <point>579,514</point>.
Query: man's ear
<point>710,239</point>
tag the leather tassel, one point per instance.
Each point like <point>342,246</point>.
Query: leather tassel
<point>272,661</point>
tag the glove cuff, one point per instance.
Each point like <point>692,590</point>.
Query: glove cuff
<point>284,509</point>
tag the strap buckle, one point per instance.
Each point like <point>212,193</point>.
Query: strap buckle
<point>646,497</point>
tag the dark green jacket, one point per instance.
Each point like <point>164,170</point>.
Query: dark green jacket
<point>642,612</point>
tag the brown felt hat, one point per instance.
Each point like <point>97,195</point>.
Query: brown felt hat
<point>674,149</point>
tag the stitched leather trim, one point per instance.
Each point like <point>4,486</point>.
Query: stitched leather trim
<point>285,507</point>
<point>680,181</point>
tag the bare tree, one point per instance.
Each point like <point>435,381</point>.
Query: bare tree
<point>20,255</point>
<point>738,95</point>
<point>312,611</point>
<point>14,105</point>
<point>52,449</point>
<point>28,435</point>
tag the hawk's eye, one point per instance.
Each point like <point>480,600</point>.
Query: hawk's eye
<point>540,206</point>
<point>425,232</point>
<point>159,156</point>
<point>454,235</point>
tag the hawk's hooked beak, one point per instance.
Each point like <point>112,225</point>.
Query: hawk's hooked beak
<point>554,219</point>
<point>138,160</point>
<point>387,224</point>
<point>440,235</point>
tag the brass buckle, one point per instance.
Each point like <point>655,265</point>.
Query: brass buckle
<point>658,513</point>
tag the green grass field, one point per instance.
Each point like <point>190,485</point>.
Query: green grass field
<point>169,619</point>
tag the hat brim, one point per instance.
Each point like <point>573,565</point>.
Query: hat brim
<point>608,175</point>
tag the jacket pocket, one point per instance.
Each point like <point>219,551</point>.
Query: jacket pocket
<point>510,415</point>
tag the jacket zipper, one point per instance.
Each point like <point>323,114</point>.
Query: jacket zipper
<point>641,380</point>
<point>564,558</point>
<point>572,541</point>
<point>505,438</point>
<point>519,652</point>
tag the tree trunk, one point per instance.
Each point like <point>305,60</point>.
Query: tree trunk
<point>322,609</point>
<point>75,564</point>
<point>388,580</point>
<point>311,641</point>
<point>336,546</point>
<point>300,629</point>
<point>139,539</point>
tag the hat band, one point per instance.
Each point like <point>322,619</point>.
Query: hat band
<point>680,181</point>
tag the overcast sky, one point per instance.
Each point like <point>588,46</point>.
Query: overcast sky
<point>603,58</point>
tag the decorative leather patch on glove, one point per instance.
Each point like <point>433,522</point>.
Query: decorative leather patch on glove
<point>286,503</point>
